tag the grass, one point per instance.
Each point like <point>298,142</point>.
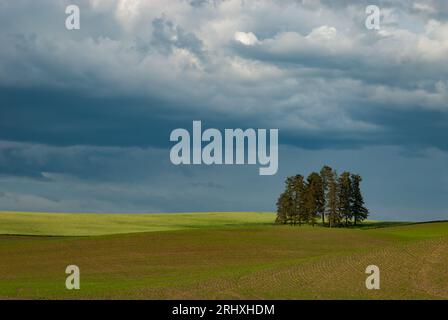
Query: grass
<point>75,224</point>
<point>241,255</point>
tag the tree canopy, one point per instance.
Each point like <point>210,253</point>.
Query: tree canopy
<point>336,200</point>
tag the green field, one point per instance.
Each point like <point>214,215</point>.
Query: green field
<point>78,224</point>
<point>216,256</point>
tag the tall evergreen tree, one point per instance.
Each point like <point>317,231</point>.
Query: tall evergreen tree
<point>288,204</point>
<point>307,205</point>
<point>358,210</point>
<point>282,209</point>
<point>331,196</point>
<point>291,213</point>
<point>283,205</point>
<point>314,198</point>
<point>325,173</point>
<point>298,186</point>
<point>344,197</point>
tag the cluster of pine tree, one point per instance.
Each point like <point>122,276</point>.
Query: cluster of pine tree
<point>336,200</point>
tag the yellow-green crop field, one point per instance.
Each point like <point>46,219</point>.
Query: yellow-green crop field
<point>216,256</point>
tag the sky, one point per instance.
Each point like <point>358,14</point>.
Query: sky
<point>86,115</point>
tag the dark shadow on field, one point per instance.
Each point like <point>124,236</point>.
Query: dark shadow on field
<point>387,224</point>
<point>381,224</point>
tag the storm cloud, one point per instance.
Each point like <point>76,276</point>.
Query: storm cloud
<point>92,109</point>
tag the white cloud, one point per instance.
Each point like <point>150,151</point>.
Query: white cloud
<point>323,33</point>
<point>424,7</point>
<point>246,38</point>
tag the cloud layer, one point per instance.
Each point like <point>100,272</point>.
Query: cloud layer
<point>84,105</point>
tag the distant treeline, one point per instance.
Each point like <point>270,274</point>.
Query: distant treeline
<point>335,200</point>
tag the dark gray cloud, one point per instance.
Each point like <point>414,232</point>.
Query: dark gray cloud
<point>167,36</point>
<point>139,180</point>
<point>87,114</point>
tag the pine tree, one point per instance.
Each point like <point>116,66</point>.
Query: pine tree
<point>307,205</point>
<point>314,198</point>
<point>291,212</point>
<point>290,207</point>
<point>329,178</point>
<point>281,209</point>
<point>344,196</point>
<point>325,194</point>
<point>325,173</point>
<point>298,186</point>
<point>358,210</point>
<point>287,203</point>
